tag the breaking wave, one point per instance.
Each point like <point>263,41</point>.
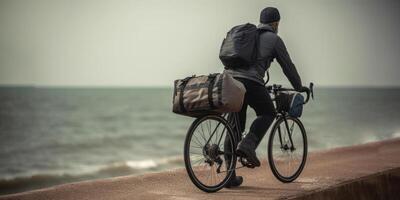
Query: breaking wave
<point>396,134</point>
<point>35,181</point>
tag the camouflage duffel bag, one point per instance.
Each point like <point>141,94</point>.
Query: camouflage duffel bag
<point>199,95</point>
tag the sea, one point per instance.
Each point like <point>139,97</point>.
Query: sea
<point>52,136</point>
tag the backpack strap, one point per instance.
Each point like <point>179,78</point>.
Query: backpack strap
<point>257,46</point>
<point>260,31</point>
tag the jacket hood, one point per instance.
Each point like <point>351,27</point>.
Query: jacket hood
<point>266,27</point>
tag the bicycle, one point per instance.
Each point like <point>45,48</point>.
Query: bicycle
<point>209,165</point>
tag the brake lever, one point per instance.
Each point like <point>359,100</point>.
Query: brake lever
<point>312,90</point>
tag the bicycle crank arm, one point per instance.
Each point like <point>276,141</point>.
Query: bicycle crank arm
<point>231,169</point>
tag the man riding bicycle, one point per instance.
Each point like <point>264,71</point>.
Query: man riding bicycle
<point>257,97</point>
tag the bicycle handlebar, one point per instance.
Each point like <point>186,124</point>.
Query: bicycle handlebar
<point>308,90</point>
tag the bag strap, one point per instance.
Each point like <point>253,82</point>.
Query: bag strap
<point>182,86</point>
<point>211,79</point>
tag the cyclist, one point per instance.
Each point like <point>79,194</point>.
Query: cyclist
<point>257,97</point>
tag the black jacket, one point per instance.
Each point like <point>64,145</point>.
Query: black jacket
<point>271,47</point>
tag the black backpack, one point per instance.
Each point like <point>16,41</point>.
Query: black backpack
<point>238,50</point>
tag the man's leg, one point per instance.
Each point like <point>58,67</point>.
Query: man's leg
<point>260,101</point>
<point>265,116</point>
<point>236,180</point>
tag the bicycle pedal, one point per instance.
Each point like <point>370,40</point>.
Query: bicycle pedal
<point>246,163</point>
<point>251,166</point>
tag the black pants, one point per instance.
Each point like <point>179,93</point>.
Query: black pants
<point>257,97</point>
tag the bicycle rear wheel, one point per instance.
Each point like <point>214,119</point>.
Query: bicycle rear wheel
<point>287,154</point>
<point>206,155</point>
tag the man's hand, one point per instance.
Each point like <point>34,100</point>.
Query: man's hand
<point>308,90</point>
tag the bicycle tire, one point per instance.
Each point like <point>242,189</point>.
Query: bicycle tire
<point>277,174</point>
<point>187,161</point>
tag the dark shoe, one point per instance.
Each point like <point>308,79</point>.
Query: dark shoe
<point>234,182</point>
<point>247,149</point>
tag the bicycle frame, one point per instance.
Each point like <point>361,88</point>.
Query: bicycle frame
<point>233,120</point>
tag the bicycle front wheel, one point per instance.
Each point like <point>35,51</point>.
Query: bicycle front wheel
<point>287,149</point>
<point>209,153</point>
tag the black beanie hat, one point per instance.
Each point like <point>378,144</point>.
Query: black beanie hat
<point>269,14</point>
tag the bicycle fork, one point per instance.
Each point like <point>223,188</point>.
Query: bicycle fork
<point>289,131</point>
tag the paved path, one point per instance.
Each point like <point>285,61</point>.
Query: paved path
<point>326,169</point>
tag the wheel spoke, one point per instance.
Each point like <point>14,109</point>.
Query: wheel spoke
<point>196,140</point>
<point>196,153</point>
<point>202,131</point>
<point>196,147</point>
<point>202,134</point>
<point>198,161</point>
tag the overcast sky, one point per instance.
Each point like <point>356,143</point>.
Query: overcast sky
<point>153,42</point>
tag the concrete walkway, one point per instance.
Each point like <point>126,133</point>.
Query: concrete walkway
<point>368,171</point>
